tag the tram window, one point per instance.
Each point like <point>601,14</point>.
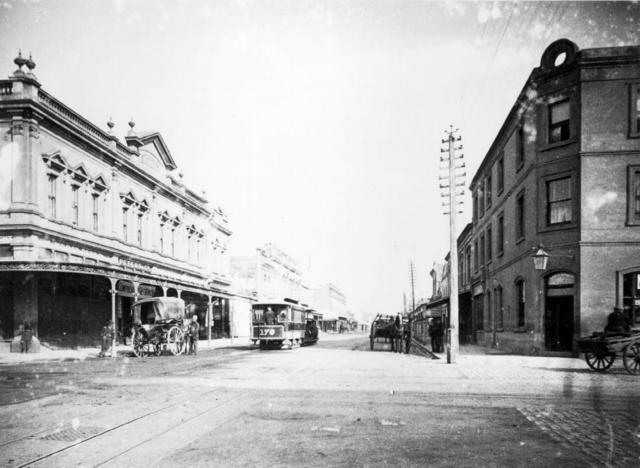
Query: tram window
<point>258,314</point>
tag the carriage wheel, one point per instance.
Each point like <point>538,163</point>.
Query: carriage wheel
<point>599,362</point>
<point>631,358</point>
<point>175,341</point>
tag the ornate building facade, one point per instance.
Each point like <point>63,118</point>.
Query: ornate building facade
<point>89,223</point>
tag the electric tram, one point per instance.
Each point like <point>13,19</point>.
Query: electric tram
<point>282,325</point>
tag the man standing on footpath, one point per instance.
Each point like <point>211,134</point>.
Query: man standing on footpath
<point>193,334</point>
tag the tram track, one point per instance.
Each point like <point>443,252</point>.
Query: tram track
<point>50,456</point>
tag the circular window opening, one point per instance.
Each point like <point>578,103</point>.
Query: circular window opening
<point>560,59</point>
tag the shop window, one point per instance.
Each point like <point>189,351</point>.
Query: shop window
<point>631,299</point>
<point>559,121</point>
<point>559,203</point>
<point>633,194</point>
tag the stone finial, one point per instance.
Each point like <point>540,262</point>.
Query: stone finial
<point>30,63</point>
<point>20,61</point>
<point>181,175</point>
<point>110,124</point>
<point>131,125</point>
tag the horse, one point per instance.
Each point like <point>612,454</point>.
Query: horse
<point>397,334</point>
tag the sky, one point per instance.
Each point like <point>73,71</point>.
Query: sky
<point>315,125</point>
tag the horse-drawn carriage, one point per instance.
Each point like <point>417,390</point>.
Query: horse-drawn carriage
<point>600,350</point>
<point>160,325</point>
<point>394,329</point>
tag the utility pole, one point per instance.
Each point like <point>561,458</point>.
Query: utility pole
<point>412,279</point>
<point>450,165</point>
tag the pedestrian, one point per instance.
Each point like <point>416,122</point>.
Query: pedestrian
<point>107,339</point>
<point>617,322</point>
<point>436,331</point>
<point>25,337</point>
<point>193,335</point>
<point>407,335</point>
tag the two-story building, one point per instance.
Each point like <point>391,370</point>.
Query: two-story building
<point>89,224</point>
<point>561,178</point>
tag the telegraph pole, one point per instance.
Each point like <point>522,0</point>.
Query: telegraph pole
<point>412,279</point>
<point>450,164</point>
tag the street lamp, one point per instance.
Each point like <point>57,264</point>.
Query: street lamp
<point>540,258</point>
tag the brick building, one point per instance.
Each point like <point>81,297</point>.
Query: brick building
<point>89,223</point>
<point>564,172</point>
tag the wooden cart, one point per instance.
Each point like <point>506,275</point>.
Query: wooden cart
<point>601,349</point>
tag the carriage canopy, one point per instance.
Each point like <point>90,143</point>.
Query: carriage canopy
<point>158,310</point>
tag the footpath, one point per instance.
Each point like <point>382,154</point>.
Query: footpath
<point>47,354</point>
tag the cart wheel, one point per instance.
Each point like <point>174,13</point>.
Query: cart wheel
<point>599,362</point>
<point>175,341</point>
<point>631,358</point>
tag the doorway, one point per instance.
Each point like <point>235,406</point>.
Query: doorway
<point>558,317</point>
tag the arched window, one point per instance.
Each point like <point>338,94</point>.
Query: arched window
<point>520,304</point>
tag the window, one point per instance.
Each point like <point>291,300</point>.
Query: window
<point>75,202</point>
<point>633,191</point>
<point>489,244</point>
<point>559,206</point>
<point>162,228</point>
<point>480,202</point>
<point>482,240</point>
<point>520,217</point>
<point>125,227</point>
<point>519,147</point>
<point>468,254</point>
<point>475,255</point>
<point>139,229</point>
<point>500,174</point>
<point>53,191</point>
<point>520,296</point>
<point>490,310</point>
<point>499,309</point>
<point>488,187</point>
<point>634,117</point>
<point>95,207</point>
<point>475,206</point>
<point>500,235</point>
<point>559,129</point>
